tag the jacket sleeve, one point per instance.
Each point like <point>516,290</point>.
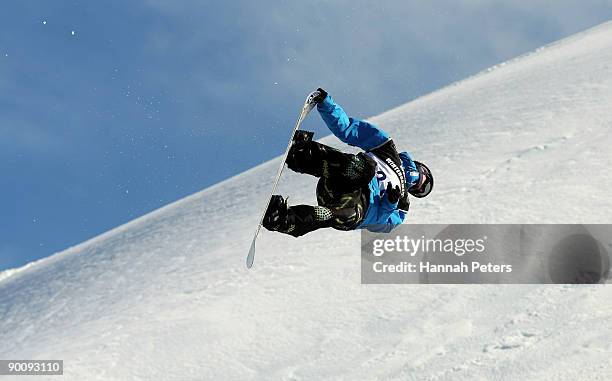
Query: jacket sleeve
<point>354,132</point>
<point>396,218</point>
<point>389,213</point>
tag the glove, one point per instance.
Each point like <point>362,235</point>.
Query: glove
<point>321,97</point>
<point>393,194</point>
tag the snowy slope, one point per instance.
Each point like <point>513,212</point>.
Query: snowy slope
<point>167,296</point>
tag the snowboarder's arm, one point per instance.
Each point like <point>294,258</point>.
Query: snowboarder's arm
<point>354,132</point>
<point>388,212</point>
<point>394,219</point>
<point>386,208</point>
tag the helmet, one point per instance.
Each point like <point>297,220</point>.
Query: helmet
<point>424,185</point>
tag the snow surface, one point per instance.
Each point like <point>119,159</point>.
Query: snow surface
<point>167,296</point>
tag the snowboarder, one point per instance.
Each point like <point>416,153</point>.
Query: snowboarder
<point>368,190</point>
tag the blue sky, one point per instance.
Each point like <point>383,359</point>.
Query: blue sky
<point>109,110</point>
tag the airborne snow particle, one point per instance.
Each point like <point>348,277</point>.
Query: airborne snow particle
<point>44,22</point>
<point>72,32</point>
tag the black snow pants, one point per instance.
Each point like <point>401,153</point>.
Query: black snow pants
<point>342,190</point>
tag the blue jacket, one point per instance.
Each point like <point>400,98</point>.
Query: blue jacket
<point>381,215</point>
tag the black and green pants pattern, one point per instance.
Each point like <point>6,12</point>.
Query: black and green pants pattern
<point>342,190</point>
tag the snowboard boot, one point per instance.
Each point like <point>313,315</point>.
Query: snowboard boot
<point>302,136</point>
<point>276,215</point>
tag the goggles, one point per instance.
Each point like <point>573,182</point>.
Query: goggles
<point>425,183</point>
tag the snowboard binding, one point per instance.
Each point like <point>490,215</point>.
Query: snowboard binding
<point>302,136</point>
<point>276,214</point>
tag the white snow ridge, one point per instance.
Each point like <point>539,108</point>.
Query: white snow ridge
<point>167,296</point>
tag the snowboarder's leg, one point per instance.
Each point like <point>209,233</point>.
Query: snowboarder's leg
<point>298,220</point>
<point>319,160</point>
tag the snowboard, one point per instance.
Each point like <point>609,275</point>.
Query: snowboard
<point>309,104</point>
